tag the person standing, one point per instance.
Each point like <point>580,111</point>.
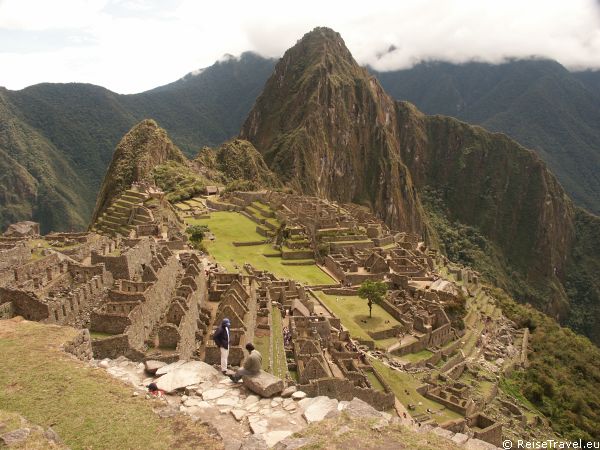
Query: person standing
<point>252,364</point>
<point>221,338</point>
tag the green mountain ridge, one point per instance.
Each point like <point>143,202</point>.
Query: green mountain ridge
<point>537,102</point>
<point>79,125</point>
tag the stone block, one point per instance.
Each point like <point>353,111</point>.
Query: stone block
<point>264,384</point>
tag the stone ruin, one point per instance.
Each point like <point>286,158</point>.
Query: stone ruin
<point>154,308</point>
<point>231,296</point>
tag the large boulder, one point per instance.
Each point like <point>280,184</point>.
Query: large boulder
<point>186,374</point>
<point>264,384</point>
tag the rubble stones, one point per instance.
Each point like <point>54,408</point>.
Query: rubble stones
<point>299,395</point>
<point>288,391</point>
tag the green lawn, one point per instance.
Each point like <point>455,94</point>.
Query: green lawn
<point>374,381</point>
<point>86,406</point>
<point>229,227</point>
<point>262,344</point>
<point>278,356</point>
<point>400,382</point>
<point>416,357</point>
<point>352,310</point>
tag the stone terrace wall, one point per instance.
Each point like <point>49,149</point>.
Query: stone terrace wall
<point>80,346</point>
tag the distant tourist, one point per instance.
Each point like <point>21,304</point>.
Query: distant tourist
<point>252,364</point>
<point>221,338</point>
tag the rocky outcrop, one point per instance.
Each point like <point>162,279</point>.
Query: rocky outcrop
<point>325,126</point>
<point>145,146</point>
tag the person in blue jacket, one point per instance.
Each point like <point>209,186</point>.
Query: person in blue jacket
<point>221,338</point>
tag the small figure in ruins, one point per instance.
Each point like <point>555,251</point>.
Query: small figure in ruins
<point>252,364</point>
<point>221,338</point>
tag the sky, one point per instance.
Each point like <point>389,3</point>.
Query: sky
<point>130,46</point>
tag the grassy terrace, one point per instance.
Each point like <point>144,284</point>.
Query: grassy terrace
<point>229,227</point>
<point>278,355</point>
<point>403,382</point>
<point>353,310</point>
<point>416,357</point>
<point>86,406</point>
<point>262,344</point>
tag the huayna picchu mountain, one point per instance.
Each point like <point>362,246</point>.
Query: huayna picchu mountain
<point>328,129</point>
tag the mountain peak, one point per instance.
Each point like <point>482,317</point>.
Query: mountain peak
<point>327,128</point>
<point>145,146</point>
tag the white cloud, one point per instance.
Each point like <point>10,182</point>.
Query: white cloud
<point>133,45</point>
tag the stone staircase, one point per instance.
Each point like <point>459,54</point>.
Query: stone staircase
<point>124,214</point>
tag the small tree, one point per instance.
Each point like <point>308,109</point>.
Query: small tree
<point>373,291</point>
<point>197,233</point>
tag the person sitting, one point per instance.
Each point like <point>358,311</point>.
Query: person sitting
<point>252,364</point>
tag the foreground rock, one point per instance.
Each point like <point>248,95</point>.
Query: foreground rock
<point>152,366</point>
<point>186,374</point>
<point>264,384</point>
<point>319,408</point>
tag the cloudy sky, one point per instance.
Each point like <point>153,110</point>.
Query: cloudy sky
<point>133,45</point>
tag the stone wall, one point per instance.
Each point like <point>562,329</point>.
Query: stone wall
<point>80,346</point>
<point>25,303</point>
<point>343,389</point>
<point>115,346</point>
<point>487,430</point>
<point>6,310</point>
<point>181,324</point>
<point>15,256</point>
<point>7,277</point>
<point>124,266</point>
<point>147,314</point>
<point>35,268</point>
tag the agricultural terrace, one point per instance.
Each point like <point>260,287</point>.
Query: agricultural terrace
<point>230,227</point>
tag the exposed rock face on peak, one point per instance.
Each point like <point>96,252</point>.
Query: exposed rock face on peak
<point>326,127</point>
<point>145,146</point>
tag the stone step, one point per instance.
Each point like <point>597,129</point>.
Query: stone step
<point>132,193</point>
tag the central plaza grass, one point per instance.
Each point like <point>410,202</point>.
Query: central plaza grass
<point>353,310</point>
<point>84,405</point>
<point>229,227</point>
